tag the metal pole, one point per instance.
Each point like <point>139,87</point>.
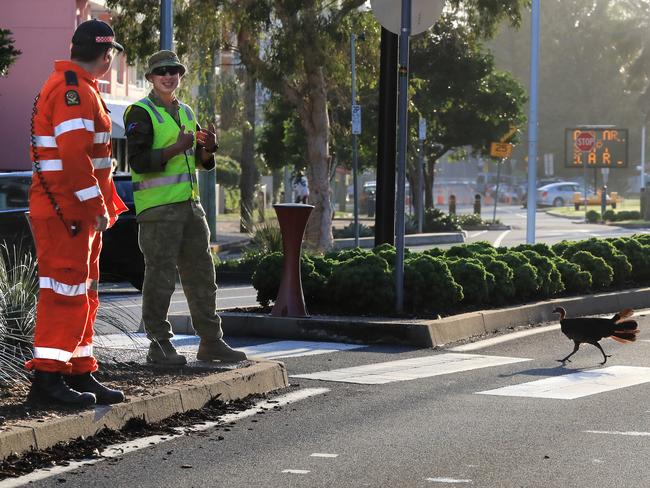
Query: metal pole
<point>584,177</point>
<point>421,186</point>
<point>355,169</point>
<point>532,125</point>
<point>643,153</point>
<point>402,120</point>
<point>496,192</point>
<point>386,149</point>
<point>166,24</point>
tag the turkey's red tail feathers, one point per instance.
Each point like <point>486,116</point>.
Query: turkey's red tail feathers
<point>622,315</point>
<point>626,331</point>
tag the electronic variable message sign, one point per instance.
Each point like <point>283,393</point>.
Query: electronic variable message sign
<point>597,147</point>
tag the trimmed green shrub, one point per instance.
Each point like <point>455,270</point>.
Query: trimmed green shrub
<point>627,215</point>
<point>574,278</point>
<point>429,285</point>
<point>323,265</point>
<point>525,274</point>
<point>348,231</point>
<point>637,254</point>
<point>470,220</point>
<point>643,239</point>
<point>539,248</point>
<point>503,288</point>
<point>434,252</point>
<point>562,246</point>
<point>474,279</point>
<point>389,253</point>
<point>602,274</point>
<point>592,216</point>
<point>363,284</point>
<point>471,250</point>
<point>609,215</point>
<point>606,250</point>
<point>437,221</point>
<point>340,255</point>
<point>549,278</point>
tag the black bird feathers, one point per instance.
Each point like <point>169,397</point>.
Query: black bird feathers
<point>590,330</point>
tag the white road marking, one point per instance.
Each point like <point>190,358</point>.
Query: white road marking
<point>172,302</point>
<point>295,471</point>
<point>324,455</point>
<point>410,369</point>
<point>270,350</point>
<point>498,240</point>
<point>118,450</point>
<point>504,338</point>
<point>614,432</point>
<point>476,234</point>
<point>447,480</point>
<point>577,385</point>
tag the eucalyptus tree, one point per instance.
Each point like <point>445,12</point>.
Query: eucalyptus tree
<point>8,53</point>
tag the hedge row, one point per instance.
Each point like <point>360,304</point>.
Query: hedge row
<point>464,277</point>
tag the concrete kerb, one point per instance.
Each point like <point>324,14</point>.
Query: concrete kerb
<point>259,377</point>
<point>420,333</point>
<point>409,240</point>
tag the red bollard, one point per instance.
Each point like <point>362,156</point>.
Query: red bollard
<point>293,220</point>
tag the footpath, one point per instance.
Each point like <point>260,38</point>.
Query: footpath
<point>236,381</point>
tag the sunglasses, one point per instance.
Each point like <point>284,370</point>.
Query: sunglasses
<point>167,70</point>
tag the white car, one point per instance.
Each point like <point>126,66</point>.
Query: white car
<point>560,193</point>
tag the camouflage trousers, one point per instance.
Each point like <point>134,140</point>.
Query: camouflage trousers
<point>176,237</point>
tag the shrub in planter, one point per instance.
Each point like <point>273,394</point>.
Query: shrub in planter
<point>471,250</point>
<point>609,215</point>
<point>434,252</point>
<point>348,231</point>
<point>323,265</point>
<point>637,254</point>
<point>592,216</point>
<point>470,220</point>
<point>606,250</point>
<point>561,246</point>
<point>574,278</point>
<point>437,221</point>
<point>503,288</point>
<point>389,253</point>
<point>340,255</point>
<point>550,279</point>
<point>524,274</point>
<point>268,275</point>
<point>362,284</point>
<point>643,239</point>
<point>602,274</point>
<point>243,267</point>
<point>473,277</point>
<point>628,215</point>
<point>429,285</point>
<point>539,248</point>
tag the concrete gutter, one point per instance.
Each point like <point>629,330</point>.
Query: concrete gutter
<point>409,240</point>
<point>418,333</point>
<point>259,377</point>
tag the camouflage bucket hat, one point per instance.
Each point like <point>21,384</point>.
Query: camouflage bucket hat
<point>163,59</point>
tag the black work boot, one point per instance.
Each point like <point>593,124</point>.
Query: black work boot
<point>87,383</point>
<point>218,350</point>
<point>48,387</point>
<point>163,353</point>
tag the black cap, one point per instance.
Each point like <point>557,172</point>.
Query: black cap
<point>95,32</point>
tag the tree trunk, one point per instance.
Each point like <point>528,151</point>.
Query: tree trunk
<point>315,120</point>
<point>248,170</point>
<point>428,183</point>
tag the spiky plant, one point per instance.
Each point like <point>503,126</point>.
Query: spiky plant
<point>18,293</point>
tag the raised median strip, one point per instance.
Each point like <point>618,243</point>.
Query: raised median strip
<point>257,378</point>
<point>409,240</point>
<point>421,333</point>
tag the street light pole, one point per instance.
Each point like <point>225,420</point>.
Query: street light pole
<point>402,120</point>
<point>166,24</point>
<point>355,169</point>
<point>532,125</point>
<point>643,128</point>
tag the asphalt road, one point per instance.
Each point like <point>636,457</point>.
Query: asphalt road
<point>426,426</point>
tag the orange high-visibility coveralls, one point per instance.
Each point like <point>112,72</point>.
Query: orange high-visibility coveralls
<point>71,140</point>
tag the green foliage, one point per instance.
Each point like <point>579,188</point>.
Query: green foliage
<point>602,274</point>
<point>341,255</point>
<point>606,250</point>
<point>435,252</point>
<point>362,284</point>
<point>548,276</point>
<point>502,289</point>
<point>525,274</point>
<point>348,231</point>
<point>429,285</point>
<point>638,254</point>
<point>228,171</point>
<point>469,220</point>
<point>471,250</point>
<point>8,54</point>
<point>574,278</point>
<point>539,248</point>
<point>471,275</point>
<point>436,220</point>
<point>266,237</point>
<point>592,216</point>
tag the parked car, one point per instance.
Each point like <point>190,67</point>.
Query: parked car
<point>120,259</point>
<point>563,193</point>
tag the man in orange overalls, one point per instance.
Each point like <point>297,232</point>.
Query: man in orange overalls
<point>72,201</point>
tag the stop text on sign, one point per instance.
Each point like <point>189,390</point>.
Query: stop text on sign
<point>608,148</point>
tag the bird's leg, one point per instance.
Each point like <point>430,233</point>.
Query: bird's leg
<point>575,350</point>
<point>605,356</point>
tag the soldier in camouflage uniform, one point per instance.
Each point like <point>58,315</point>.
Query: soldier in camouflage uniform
<point>166,146</point>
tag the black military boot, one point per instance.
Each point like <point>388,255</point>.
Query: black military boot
<point>218,350</point>
<point>48,387</point>
<point>163,353</point>
<point>87,383</point>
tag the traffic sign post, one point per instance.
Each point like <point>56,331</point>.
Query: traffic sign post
<point>585,142</point>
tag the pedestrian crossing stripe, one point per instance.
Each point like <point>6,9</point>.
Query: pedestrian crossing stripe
<point>577,385</point>
<point>410,369</point>
<point>190,343</point>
